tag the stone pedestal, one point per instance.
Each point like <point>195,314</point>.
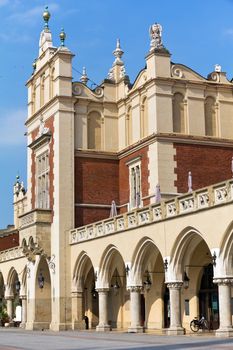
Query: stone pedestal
<point>103,325</point>
<point>175,308</point>
<point>135,310</point>
<point>224,292</point>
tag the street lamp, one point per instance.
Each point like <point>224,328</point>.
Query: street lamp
<point>41,281</point>
<point>186,280</point>
<point>17,286</point>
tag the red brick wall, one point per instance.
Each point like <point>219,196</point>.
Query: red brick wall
<point>207,164</point>
<point>10,241</point>
<point>96,182</point>
<point>124,176</point>
<point>48,124</point>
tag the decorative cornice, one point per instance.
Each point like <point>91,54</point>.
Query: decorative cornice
<point>40,141</point>
<point>174,285</point>
<point>225,281</point>
<point>135,289</point>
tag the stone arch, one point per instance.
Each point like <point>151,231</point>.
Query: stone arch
<point>83,284</point>
<point>224,266</point>
<point>144,246</point>
<point>43,295</point>
<point>94,139</point>
<point>178,113</point>
<point>81,269</point>
<point>147,271</point>
<point>2,286</point>
<point>107,259</point>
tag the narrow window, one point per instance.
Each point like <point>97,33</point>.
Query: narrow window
<point>42,172</point>
<point>135,185</point>
<point>144,118</point>
<point>128,126</point>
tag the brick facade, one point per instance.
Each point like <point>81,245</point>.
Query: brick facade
<point>208,165</point>
<point>99,181</point>
<point>96,182</point>
<point>8,241</point>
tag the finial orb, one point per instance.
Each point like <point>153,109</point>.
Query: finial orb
<point>46,16</point>
<point>62,36</point>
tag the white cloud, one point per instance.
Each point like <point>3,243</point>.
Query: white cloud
<point>229,32</point>
<point>4,2</point>
<point>12,127</point>
<point>29,16</point>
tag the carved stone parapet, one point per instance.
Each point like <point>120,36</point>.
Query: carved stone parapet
<point>136,289</point>
<point>175,285</point>
<point>223,281</point>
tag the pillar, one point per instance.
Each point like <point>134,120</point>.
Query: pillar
<point>9,305</point>
<point>135,310</point>
<point>175,308</point>
<point>103,310</point>
<point>24,311</point>
<point>77,310</point>
<point>224,293</point>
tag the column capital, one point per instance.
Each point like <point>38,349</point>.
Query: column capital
<point>76,294</point>
<point>23,297</point>
<point>136,289</point>
<point>102,290</point>
<point>174,284</point>
<point>9,297</point>
<point>225,281</point>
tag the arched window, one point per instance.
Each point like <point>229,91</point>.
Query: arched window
<point>178,113</point>
<point>210,117</point>
<point>144,118</point>
<point>94,131</point>
<point>128,126</point>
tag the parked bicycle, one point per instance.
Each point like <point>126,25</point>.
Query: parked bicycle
<point>197,324</point>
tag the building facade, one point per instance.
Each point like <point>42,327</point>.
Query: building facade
<point>158,152</point>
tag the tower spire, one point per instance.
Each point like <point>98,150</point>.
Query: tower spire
<point>46,35</point>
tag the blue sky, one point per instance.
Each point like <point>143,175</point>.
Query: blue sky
<point>197,33</point>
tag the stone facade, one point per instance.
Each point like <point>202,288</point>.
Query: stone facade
<point>70,261</point>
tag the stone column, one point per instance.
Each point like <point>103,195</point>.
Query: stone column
<point>9,305</point>
<point>77,310</point>
<point>224,293</point>
<point>103,310</point>
<point>24,311</point>
<point>135,310</point>
<point>175,308</point>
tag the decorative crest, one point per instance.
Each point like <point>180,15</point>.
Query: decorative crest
<point>84,78</point>
<point>118,53</point>
<point>217,68</point>
<point>155,32</point>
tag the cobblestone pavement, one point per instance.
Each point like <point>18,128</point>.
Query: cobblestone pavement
<point>18,339</point>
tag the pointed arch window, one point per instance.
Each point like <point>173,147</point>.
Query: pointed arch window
<point>210,117</point>
<point>94,131</point>
<point>178,113</point>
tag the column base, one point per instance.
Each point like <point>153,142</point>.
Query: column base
<point>103,328</point>
<point>36,326</point>
<point>224,332</point>
<point>54,326</point>
<point>136,329</point>
<point>175,331</point>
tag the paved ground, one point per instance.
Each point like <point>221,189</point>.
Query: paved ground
<point>18,339</point>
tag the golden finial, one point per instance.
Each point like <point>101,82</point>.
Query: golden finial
<point>62,36</point>
<point>46,17</point>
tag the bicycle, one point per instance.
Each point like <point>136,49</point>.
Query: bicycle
<point>197,324</point>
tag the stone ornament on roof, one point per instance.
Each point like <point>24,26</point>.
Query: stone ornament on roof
<point>155,32</point>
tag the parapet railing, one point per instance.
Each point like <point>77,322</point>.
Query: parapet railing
<point>11,254</point>
<point>201,199</point>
